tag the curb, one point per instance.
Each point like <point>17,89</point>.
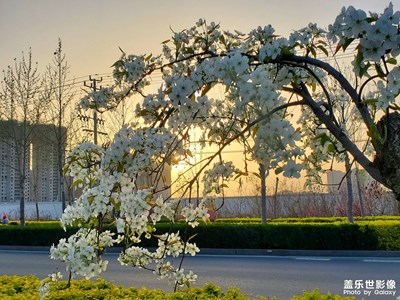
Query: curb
<point>250,252</point>
<point>289,252</point>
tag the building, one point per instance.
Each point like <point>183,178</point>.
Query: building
<point>9,186</point>
<point>36,147</point>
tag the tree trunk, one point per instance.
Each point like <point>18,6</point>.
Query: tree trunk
<point>263,194</point>
<point>387,157</point>
<point>37,211</point>
<point>349,183</point>
<point>60,188</point>
<point>360,194</point>
<point>276,197</point>
<point>22,203</point>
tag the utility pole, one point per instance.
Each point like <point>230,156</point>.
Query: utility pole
<point>93,86</point>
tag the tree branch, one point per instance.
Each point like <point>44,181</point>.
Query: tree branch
<point>341,136</point>
<point>344,83</point>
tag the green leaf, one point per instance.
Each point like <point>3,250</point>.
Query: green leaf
<point>371,19</point>
<point>118,63</point>
<point>222,39</point>
<point>189,153</point>
<point>95,151</point>
<point>314,86</point>
<point>150,228</point>
<point>374,134</point>
<point>254,131</point>
<point>372,101</point>
<point>364,70</point>
<point>205,89</point>
<point>331,148</point>
<point>359,58</point>
<point>65,169</point>
<point>192,237</point>
<point>324,139</point>
<point>170,243</point>
<point>188,50</point>
<point>117,206</point>
<point>313,52</point>
<point>148,57</point>
<point>347,43</point>
<point>379,70</point>
<point>278,170</point>
<point>338,47</point>
<point>323,49</point>
<point>77,182</point>
<point>392,61</point>
<point>168,91</point>
<point>91,199</point>
<point>120,49</point>
<point>318,136</point>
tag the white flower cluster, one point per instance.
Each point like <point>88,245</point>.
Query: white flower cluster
<point>215,177</point>
<point>44,287</point>
<point>80,252</point>
<point>192,214</point>
<point>83,164</point>
<point>390,89</point>
<point>272,49</point>
<point>98,99</point>
<point>137,149</point>
<point>306,36</point>
<point>378,34</point>
<point>169,244</point>
<point>137,211</point>
<point>275,145</point>
<point>259,89</point>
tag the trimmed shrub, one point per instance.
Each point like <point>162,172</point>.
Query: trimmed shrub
<point>315,295</point>
<point>371,234</point>
<point>26,288</point>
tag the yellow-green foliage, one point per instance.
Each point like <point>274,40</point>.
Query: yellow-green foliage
<point>26,288</point>
<point>315,295</point>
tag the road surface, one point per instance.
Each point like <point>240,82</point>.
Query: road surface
<point>277,276</point>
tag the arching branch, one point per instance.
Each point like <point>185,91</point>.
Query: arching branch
<point>341,136</point>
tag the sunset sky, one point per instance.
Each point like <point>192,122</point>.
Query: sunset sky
<point>92,31</point>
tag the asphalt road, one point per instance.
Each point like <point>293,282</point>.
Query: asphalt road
<point>255,275</point>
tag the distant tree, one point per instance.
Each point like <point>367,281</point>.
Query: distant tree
<point>21,109</point>
<point>58,89</point>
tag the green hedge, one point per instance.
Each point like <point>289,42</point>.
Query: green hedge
<point>33,234</point>
<point>309,220</point>
<point>26,288</point>
<point>299,236</point>
<point>367,235</point>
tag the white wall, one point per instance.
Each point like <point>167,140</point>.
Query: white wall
<point>47,210</point>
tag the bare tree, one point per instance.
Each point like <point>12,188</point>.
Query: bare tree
<point>21,108</point>
<point>59,91</point>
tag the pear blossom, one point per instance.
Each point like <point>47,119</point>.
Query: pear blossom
<point>260,75</point>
